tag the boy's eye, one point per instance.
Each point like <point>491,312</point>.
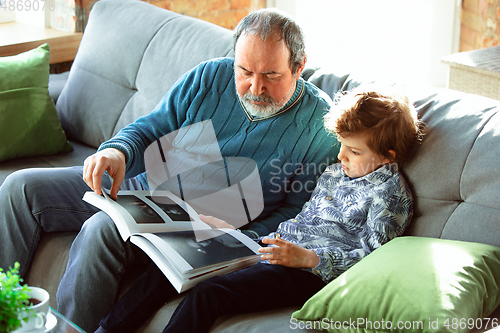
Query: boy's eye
<point>354,152</point>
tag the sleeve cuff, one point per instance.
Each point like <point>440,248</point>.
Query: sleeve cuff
<point>121,147</point>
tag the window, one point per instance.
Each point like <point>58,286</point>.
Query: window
<point>6,14</point>
<point>399,41</point>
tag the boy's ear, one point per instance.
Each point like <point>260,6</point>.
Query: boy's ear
<point>392,153</point>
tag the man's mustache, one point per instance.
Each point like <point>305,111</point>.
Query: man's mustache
<point>258,99</point>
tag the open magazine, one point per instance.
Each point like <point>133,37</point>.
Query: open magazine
<point>169,231</point>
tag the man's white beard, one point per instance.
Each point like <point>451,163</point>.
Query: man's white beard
<point>267,110</point>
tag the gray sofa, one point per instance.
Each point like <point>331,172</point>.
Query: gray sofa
<point>132,52</point>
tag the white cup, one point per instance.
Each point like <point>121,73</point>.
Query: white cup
<point>38,316</point>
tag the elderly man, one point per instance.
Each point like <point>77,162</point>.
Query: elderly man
<point>260,109</point>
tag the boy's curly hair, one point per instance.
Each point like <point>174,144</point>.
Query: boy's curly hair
<point>388,119</point>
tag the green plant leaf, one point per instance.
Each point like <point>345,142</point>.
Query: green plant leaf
<point>14,299</point>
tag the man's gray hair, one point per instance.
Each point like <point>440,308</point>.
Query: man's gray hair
<point>269,23</point>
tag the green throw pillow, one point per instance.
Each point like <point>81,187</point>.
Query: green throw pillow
<point>410,284</point>
<point>29,124</point>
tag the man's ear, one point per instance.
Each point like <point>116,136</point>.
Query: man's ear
<point>301,68</point>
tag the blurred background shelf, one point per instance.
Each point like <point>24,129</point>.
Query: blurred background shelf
<point>17,37</point>
<point>476,72</point>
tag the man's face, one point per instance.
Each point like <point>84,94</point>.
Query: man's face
<point>264,80</point>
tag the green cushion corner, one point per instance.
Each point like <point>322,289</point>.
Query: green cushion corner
<point>29,124</point>
<point>421,284</point>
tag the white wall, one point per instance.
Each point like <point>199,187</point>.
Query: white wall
<point>5,14</point>
<point>30,12</point>
<point>390,40</point>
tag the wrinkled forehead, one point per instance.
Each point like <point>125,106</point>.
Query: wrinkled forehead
<point>271,54</point>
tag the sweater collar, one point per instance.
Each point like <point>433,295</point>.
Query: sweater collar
<point>296,96</point>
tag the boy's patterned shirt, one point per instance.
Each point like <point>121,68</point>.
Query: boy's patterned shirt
<point>346,219</point>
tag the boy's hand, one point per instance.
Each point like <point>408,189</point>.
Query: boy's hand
<point>215,222</point>
<point>288,254</point>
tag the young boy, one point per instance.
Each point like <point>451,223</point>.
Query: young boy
<point>357,205</point>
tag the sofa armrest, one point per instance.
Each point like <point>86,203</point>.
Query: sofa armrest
<point>56,84</point>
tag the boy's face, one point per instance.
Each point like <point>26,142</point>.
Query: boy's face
<point>357,159</point>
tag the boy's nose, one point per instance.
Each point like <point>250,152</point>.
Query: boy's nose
<point>341,155</point>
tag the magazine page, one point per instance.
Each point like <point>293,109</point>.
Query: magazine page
<point>159,259</point>
<point>192,281</point>
<point>169,260</point>
<point>191,252</point>
<point>136,212</point>
<point>179,282</point>
<point>250,243</point>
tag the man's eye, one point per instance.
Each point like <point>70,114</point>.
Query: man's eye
<point>272,77</point>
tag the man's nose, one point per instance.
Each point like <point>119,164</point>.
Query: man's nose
<point>257,86</point>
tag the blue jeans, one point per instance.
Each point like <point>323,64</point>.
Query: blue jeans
<point>33,201</point>
<point>260,287</point>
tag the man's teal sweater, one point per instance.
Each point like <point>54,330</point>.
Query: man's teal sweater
<point>291,149</point>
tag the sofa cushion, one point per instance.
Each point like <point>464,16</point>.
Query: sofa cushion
<point>64,159</point>
<point>122,70</point>
<point>56,84</point>
<point>426,284</point>
<point>453,173</point>
<point>29,124</point>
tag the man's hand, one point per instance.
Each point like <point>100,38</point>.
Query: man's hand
<point>288,254</point>
<point>215,222</point>
<point>111,160</point>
